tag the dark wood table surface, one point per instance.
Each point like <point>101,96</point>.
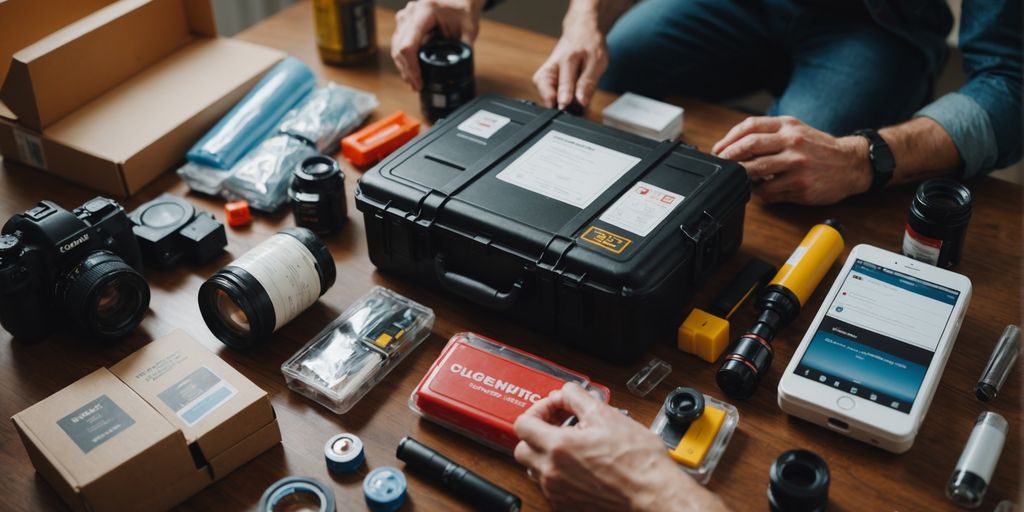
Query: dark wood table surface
<point>863,477</point>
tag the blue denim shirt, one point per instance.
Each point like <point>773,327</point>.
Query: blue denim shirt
<point>984,117</point>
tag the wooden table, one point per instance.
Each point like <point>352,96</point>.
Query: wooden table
<point>863,478</point>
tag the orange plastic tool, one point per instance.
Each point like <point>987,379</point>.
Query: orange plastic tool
<point>379,139</point>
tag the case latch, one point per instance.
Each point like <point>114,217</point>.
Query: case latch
<point>704,237</point>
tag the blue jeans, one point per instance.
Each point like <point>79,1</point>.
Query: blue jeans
<point>837,72</point>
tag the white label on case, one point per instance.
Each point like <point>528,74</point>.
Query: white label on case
<point>483,124</point>
<point>30,149</point>
<point>567,169</point>
<point>641,208</point>
<point>287,271</point>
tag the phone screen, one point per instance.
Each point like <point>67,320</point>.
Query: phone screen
<point>879,335</point>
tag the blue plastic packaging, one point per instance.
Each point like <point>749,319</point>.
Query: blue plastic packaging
<point>253,118</point>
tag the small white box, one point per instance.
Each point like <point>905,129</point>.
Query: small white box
<point>645,117</point>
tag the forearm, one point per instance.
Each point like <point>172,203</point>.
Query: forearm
<point>922,149</point>
<point>601,13</point>
<point>668,488</point>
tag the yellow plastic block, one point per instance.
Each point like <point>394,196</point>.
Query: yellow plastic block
<point>694,445</point>
<point>703,335</point>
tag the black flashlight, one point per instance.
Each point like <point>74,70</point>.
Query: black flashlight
<point>471,487</point>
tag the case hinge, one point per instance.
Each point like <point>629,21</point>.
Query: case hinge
<point>704,239</point>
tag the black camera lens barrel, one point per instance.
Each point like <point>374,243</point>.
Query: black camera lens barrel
<point>798,481</point>
<point>267,287</point>
<point>940,213</point>
<point>317,195</point>
<point>446,67</point>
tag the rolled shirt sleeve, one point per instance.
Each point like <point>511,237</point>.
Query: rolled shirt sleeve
<point>984,117</point>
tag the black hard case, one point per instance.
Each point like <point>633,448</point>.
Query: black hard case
<point>435,212</point>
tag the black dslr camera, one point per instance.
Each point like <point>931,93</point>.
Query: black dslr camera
<point>84,264</point>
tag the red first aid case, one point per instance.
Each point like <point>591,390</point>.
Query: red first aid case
<point>478,387</point>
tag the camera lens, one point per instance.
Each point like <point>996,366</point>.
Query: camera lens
<point>246,301</point>
<point>104,295</point>
<point>232,314</point>
<point>317,194</point>
<point>798,482</point>
<point>683,406</point>
<point>447,70</point>
<point>937,223</point>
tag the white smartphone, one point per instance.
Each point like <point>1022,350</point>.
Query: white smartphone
<point>873,356</point>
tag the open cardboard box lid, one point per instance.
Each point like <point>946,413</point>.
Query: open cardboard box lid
<point>116,97</point>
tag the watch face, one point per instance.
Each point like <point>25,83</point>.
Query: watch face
<point>881,158</point>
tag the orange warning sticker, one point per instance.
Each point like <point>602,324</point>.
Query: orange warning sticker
<point>605,239</point>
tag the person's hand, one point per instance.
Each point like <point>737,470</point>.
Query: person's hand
<point>794,163</point>
<point>577,62</point>
<point>605,462</point>
<point>456,19</point>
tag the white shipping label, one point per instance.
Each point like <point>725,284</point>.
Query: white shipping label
<point>287,271</point>
<point>30,149</point>
<point>483,124</point>
<point>642,208</point>
<point>567,169</point>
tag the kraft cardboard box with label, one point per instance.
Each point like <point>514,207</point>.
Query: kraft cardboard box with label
<point>150,431</point>
<point>111,94</point>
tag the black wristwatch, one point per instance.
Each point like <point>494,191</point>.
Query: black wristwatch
<point>882,161</point>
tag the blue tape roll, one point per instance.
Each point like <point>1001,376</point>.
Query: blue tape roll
<point>384,489</point>
<point>253,118</point>
<point>344,454</point>
<point>297,493</point>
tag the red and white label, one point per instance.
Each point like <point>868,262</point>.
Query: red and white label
<point>483,124</point>
<point>642,208</point>
<point>920,247</point>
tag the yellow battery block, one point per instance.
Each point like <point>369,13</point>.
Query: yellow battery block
<point>703,335</point>
<point>694,445</point>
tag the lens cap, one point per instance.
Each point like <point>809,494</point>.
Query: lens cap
<point>683,406</point>
<point>798,482</point>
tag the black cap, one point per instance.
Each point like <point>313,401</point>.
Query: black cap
<point>683,406</point>
<point>798,482</point>
<point>318,174</point>
<point>444,60</point>
<point>838,227</point>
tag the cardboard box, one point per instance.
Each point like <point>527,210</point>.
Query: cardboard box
<point>111,94</point>
<point>149,432</point>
